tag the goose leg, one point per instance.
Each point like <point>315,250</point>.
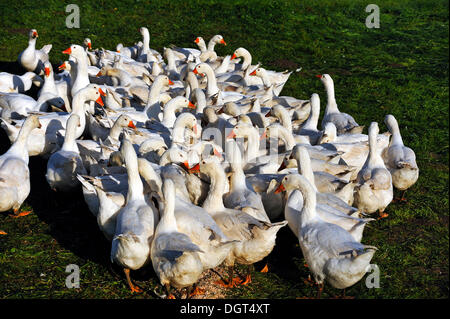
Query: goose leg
<point>265,269</point>
<point>21,214</point>
<point>169,294</point>
<point>319,290</point>
<point>232,282</point>
<point>401,199</point>
<point>195,291</point>
<point>382,214</point>
<point>248,278</point>
<point>133,287</point>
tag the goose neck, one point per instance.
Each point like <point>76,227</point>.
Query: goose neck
<point>214,201</point>
<point>135,186</point>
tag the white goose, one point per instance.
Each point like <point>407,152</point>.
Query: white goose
<point>12,83</point>
<point>46,140</point>
<point>331,253</point>
<point>374,190</point>
<point>175,258</point>
<point>136,221</point>
<point>30,58</point>
<point>344,122</point>
<point>64,165</point>
<point>255,238</point>
<point>399,159</point>
<point>330,208</point>
<point>14,171</point>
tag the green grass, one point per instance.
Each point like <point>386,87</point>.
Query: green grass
<point>400,68</point>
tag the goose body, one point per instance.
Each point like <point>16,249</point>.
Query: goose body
<point>399,159</point>
<point>14,171</point>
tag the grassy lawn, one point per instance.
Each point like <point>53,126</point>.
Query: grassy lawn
<point>400,69</point>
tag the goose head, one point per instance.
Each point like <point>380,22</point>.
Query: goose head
<point>125,121</point>
<point>260,72</point>
<point>326,79</point>
<point>210,166</point>
<point>240,52</point>
<point>209,115</point>
<point>144,31</point>
<point>200,42</point>
<point>33,34</point>
<point>87,43</point>
<point>153,145</point>
<point>32,121</point>
<point>203,69</point>
<point>241,130</point>
<point>48,69</point>
<point>66,65</point>
<point>174,155</point>
<point>76,51</point>
<point>230,108</point>
<point>391,123</point>
<point>218,39</point>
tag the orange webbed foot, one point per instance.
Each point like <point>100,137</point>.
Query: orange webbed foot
<point>171,297</point>
<point>248,279</point>
<point>136,289</point>
<point>265,269</point>
<point>21,214</point>
<point>383,215</point>
<point>197,292</point>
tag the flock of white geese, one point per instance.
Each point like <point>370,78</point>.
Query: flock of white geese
<point>190,160</point>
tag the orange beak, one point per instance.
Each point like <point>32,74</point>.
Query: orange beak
<point>100,101</point>
<point>232,134</point>
<point>195,71</point>
<point>35,34</point>
<point>197,40</point>
<point>89,45</point>
<point>234,56</point>
<point>99,73</point>
<point>319,76</point>
<point>280,189</point>
<point>118,51</point>
<point>101,92</point>
<point>253,73</point>
<point>67,51</point>
<point>47,71</point>
<point>131,125</point>
<point>217,154</point>
<point>191,105</point>
<point>263,136</point>
<point>223,42</point>
<point>170,82</point>
<point>195,169</point>
<point>62,66</point>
